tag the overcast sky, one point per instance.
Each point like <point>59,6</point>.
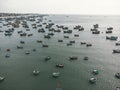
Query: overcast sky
<point>61,6</point>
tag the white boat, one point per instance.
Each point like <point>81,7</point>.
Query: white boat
<point>35,72</point>
<point>2,78</point>
<point>56,74</point>
<point>92,80</point>
<point>95,72</point>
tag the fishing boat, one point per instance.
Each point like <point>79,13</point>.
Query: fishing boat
<point>51,34</point>
<point>110,28</point>
<point>28,52</point>
<point>8,34</point>
<point>95,72</point>
<point>56,74</point>
<point>22,42</point>
<point>66,36</point>
<point>72,41</point>
<point>30,35</point>
<point>60,40</point>
<point>117,75</point>
<point>19,31</point>
<point>69,44</point>
<point>82,43</point>
<point>41,30</point>
<point>8,50</point>
<point>68,31</point>
<point>85,58</point>
<point>112,38</point>
<point>47,58</point>
<point>39,41</point>
<point>23,34</point>
<point>44,45</point>
<point>1,78</point>
<point>108,31</point>
<point>59,65</point>
<point>36,72</point>
<point>92,80</point>
<point>81,29</point>
<point>19,47</point>
<point>34,50</point>
<point>47,36</point>
<point>76,35</point>
<point>73,58</point>
<point>7,55</point>
<point>95,32</point>
<point>117,44</point>
<point>96,26</point>
<point>116,51</point>
<point>88,45</point>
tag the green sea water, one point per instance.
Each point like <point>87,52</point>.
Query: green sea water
<point>75,75</point>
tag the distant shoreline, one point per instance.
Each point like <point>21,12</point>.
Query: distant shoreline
<point>36,14</point>
<point>18,14</point>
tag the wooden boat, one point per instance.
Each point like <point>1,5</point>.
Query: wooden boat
<point>117,75</point>
<point>7,55</point>
<point>39,41</point>
<point>69,44</point>
<point>112,38</point>
<point>8,34</point>
<point>60,40</point>
<point>2,78</point>
<point>95,72</point>
<point>68,31</point>
<point>22,42</point>
<point>44,45</point>
<point>117,44</point>
<point>19,31</point>
<point>47,58</point>
<point>8,50</point>
<point>19,47</point>
<point>36,72</point>
<point>88,45</point>
<point>66,36</point>
<point>108,31</point>
<point>110,28</point>
<point>96,26</point>
<point>30,35</point>
<point>23,34</point>
<point>92,80</point>
<point>41,30</point>
<point>59,65</point>
<point>47,36</point>
<point>116,51</point>
<point>95,32</point>
<point>85,58</point>
<point>34,50</point>
<point>81,29</point>
<point>28,52</point>
<point>56,74</point>
<point>76,35</point>
<point>73,58</point>
<point>82,43</point>
<point>72,41</point>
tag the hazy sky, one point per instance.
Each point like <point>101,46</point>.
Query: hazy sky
<point>61,6</point>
